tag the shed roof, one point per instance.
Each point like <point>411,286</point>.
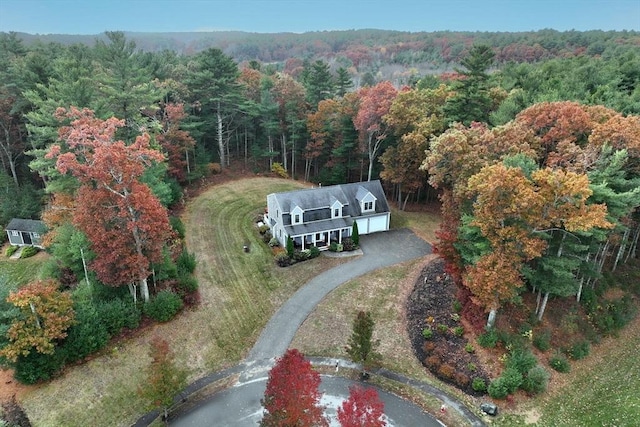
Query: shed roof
<point>29,225</point>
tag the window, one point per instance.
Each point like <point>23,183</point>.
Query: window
<point>296,219</point>
<point>336,213</point>
<point>368,206</point>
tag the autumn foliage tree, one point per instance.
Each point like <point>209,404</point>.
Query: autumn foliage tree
<point>45,315</point>
<point>542,196</point>
<point>176,142</point>
<point>125,223</point>
<point>164,378</point>
<point>363,408</point>
<point>292,396</point>
<point>375,103</point>
<point>414,116</point>
<point>323,126</point>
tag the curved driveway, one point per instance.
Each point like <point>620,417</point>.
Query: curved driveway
<point>240,404</point>
<point>380,250</point>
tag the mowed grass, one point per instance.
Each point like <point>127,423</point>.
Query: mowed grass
<point>19,272</point>
<point>239,293</point>
<point>607,394</point>
<point>383,293</point>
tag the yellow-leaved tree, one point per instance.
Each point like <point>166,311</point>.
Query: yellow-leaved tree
<point>45,314</point>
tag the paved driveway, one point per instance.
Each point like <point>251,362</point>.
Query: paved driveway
<point>379,250</point>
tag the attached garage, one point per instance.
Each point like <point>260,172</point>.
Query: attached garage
<point>373,224</point>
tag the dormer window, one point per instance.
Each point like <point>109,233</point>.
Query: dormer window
<point>366,199</point>
<point>336,209</point>
<point>296,216</point>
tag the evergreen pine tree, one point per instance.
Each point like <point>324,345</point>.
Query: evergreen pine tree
<point>355,235</point>
<point>472,101</point>
<point>362,347</point>
<point>290,247</point>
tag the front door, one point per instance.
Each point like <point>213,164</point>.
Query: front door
<point>26,238</point>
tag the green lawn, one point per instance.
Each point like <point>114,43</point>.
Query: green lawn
<point>19,272</point>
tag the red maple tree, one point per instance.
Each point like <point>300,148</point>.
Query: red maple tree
<point>363,408</point>
<point>125,223</point>
<point>292,396</point>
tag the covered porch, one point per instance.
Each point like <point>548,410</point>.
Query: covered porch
<point>320,233</point>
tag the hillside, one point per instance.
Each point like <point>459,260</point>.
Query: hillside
<point>372,48</point>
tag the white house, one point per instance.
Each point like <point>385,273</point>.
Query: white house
<point>318,216</point>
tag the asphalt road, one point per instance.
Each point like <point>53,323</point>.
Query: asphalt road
<point>240,406</point>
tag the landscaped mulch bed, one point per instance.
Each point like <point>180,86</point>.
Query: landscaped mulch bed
<point>431,305</point>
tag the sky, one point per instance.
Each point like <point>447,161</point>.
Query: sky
<point>298,16</point>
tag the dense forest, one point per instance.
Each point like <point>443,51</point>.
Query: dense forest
<point>531,141</point>
<point>388,55</point>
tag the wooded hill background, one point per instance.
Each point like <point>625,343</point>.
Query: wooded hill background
<point>389,55</point>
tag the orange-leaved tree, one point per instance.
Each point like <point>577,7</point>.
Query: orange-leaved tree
<point>45,314</point>
<point>504,210</point>
<point>323,126</point>
<point>125,223</point>
<point>292,396</point>
<point>517,214</point>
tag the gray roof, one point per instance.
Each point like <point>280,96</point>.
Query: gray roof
<point>323,197</point>
<point>29,225</point>
<point>311,198</point>
<point>318,226</point>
